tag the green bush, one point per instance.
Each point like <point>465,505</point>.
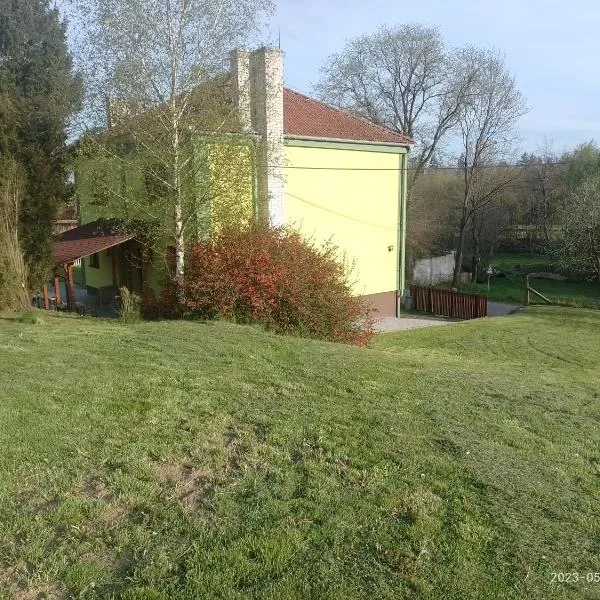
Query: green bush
<point>130,307</point>
<point>32,317</point>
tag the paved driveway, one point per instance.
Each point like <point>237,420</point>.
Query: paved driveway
<point>389,324</point>
<point>499,309</point>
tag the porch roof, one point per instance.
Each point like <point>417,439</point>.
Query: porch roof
<point>89,239</point>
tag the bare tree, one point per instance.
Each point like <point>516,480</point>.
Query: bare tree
<point>405,78</point>
<point>487,125</point>
<point>159,59</point>
<point>540,183</point>
<point>432,212</point>
<point>489,225</point>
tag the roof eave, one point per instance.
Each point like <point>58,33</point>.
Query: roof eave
<point>346,141</point>
<point>85,254</point>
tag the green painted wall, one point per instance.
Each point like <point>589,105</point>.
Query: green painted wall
<point>220,192</point>
<point>108,187</point>
<point>102,277</point>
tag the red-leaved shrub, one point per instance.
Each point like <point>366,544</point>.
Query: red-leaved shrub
<point>275,278</point>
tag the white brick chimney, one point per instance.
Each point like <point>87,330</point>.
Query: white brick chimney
<point>240,81</point>
<point>258,94</point>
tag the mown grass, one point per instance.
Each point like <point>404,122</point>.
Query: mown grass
<point>186,461</point>
<point>511,289</point>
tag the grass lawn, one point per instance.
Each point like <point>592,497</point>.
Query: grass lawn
<point>512,287</point>
<point>190,461</point>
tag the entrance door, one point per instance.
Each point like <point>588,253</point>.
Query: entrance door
<point>130,266</point>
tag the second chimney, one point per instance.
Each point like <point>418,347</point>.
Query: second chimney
<point>240,75</point>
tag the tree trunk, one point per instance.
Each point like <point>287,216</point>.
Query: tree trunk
<point>179,222</point>
<point>475,257</point>
<point>179,242</point>
<point>546,229</point>
<point>475,273</point>
<point>459,255</point>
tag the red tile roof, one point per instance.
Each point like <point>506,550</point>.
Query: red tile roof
<point>305,117</point>
<point>88,239</point>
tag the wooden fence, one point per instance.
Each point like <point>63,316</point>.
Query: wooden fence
<point>448,303</point>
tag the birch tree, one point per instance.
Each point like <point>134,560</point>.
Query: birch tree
<point>578,248</point>
<point>159,62</point>
<point>487,125</point>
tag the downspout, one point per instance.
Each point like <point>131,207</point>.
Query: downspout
<point>254,167</point>
<point>401,276</point>
<point>196,184</point>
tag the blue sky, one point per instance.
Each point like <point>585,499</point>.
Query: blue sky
<point>553,49</point>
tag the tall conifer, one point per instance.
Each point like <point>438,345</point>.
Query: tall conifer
<point>39,92</point>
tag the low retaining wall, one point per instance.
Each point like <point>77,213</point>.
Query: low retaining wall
<point>431,271</point>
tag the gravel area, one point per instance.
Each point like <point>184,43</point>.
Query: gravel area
<point>388,324</point>
<point>499,309</point>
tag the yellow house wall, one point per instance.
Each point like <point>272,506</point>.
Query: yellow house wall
<point>357,209</point>
<point>108,187</point>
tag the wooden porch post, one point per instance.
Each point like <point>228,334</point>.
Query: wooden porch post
<point>70,288</point>
<point>115,270</point>
<point>57,287</point>
<point>46,299</point>
<point>144,256</point>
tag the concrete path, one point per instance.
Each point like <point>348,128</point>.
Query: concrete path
<point>389,324</point>
<point>404,323</point>
<point>499,309</point>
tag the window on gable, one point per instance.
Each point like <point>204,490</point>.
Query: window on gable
<point>95,261</point>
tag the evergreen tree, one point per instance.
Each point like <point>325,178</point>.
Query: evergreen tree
<point>39,92</point>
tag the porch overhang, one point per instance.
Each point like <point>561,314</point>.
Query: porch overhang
<point>79,243</point>
<point>89,239</point>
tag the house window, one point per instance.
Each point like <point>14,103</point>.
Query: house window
<point>95,261</point>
